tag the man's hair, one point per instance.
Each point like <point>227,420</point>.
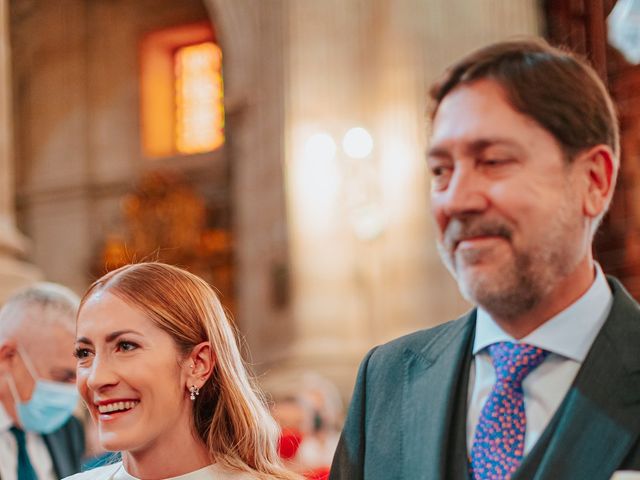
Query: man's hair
<point>560,91</point>
<point>41,305</point>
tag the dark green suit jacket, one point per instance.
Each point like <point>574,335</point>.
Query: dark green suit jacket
<point>405,419</point>
<point>66,447</point>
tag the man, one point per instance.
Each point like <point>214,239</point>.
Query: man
<point>39,437</point>
<point>542,379</point>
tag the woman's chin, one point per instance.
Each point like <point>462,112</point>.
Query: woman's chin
<point>112,442</point>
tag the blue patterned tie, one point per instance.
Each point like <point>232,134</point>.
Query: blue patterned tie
<point>498,445</point>
<point>25,469</point>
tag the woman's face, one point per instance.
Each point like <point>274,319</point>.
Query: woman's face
<point>130,375</point>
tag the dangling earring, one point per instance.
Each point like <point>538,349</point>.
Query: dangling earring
<point>193,392</point>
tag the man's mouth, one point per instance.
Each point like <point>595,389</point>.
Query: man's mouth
<point>474,230</point>
<point>476,241</point>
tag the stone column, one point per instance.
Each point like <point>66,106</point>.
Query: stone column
<point>14,271</point>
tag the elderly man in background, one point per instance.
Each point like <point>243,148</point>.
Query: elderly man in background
<point>39,437</point>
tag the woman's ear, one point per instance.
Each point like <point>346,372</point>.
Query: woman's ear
<point>200,365</point>
<point>599,168</point>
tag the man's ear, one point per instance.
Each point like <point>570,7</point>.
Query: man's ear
<point>599,169</point>
<point>200,364</point>
<point>8,351</point>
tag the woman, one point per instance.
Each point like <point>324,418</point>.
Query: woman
<point>161,374</point>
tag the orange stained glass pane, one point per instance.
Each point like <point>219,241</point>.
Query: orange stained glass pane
<point>199,98</point>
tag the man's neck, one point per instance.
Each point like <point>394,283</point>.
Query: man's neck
<point>565,292</point>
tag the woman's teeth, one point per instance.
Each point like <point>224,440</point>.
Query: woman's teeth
<point>117,406</point>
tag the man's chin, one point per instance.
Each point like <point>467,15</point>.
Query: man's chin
<point>479,272</point>
<point>477,280</point>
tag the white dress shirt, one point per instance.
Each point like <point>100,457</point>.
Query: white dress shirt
<point>37,449</point>
<point>568,336</point>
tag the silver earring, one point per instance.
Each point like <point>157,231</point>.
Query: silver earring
<point>193,392</point>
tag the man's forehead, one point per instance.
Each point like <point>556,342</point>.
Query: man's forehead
<point>479,113</point>
<point>49,337</point>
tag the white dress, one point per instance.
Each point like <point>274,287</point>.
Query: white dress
<point>116,471</point>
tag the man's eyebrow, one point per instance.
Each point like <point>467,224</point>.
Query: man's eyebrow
<point>482,144</point>
<point>438,152</point>
<point>63,372</point>
<point>473,148</point>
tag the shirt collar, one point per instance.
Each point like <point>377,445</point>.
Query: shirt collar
<point>569,334</point>
<point>5,420</point>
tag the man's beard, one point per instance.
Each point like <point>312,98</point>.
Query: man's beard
<point>521,282</point>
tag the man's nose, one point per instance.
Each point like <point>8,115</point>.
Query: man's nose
<point>465,194</point>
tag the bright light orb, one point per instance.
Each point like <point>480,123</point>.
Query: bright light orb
<point>357,143</point>
<point>320,147</point>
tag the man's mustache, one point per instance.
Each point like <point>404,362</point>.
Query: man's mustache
<point>460,229</point>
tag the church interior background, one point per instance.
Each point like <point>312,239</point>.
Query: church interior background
<point>274,147</point>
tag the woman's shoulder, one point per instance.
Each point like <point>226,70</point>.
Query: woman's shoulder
<point>100,473</point>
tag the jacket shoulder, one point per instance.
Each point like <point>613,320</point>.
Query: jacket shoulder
<point>422,340</point>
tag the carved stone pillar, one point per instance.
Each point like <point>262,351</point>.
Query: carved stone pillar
<point>14,271</point>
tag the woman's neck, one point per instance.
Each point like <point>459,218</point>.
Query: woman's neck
<point>167,457</point>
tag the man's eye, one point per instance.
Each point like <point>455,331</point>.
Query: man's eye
<point>438,171</point>
<point>69,377</point>
<point>440,176</point>
<point>125,346</point>
<point>492,162</point>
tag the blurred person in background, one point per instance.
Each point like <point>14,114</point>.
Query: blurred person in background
<point>309,413</point>
<point>40,439</point>
<point>160,371</point>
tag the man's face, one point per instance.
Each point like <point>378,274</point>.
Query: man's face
<point>507,206</point>
<point>50,351</point>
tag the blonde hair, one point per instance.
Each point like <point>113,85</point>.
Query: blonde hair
<point>229,415</point>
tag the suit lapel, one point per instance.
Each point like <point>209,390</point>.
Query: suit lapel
<point>599,420</point>
<point>431,378</point>
<point>57,445</point>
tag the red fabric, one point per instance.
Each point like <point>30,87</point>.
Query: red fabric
<point>318,474</point>
<point>289,442</point>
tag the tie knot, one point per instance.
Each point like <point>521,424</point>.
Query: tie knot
<point>514,361</point>
<point>19,434</point>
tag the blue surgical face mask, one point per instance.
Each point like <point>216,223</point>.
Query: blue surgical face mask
<point>51,403</point>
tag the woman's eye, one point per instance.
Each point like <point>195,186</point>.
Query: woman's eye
<point>125,346</point>
<point>81,353</point>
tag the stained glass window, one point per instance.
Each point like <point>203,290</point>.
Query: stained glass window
<point>199,114</point>
<point>181,91</point>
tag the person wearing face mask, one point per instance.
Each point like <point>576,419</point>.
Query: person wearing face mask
<point>40,439</point>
